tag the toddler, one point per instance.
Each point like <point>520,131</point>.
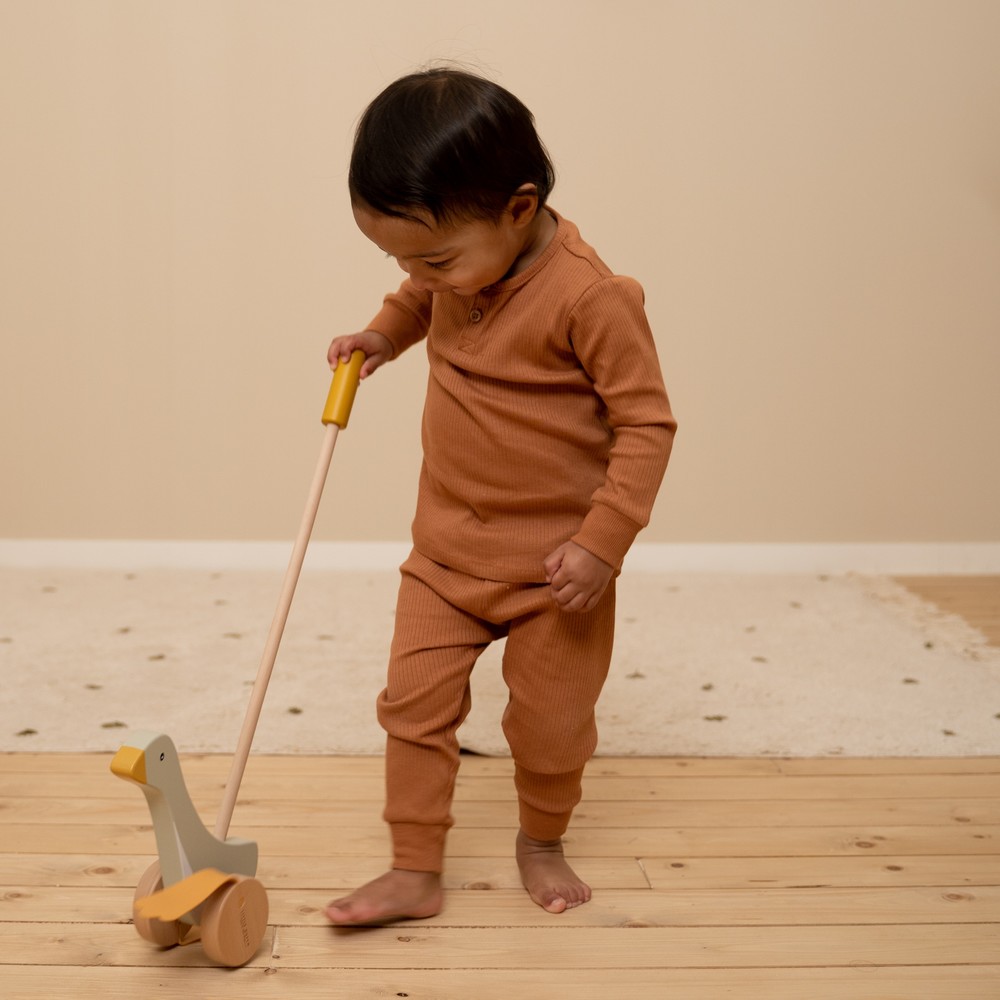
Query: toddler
<point>546,432</point>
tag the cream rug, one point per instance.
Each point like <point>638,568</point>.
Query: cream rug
<point>705,665</point>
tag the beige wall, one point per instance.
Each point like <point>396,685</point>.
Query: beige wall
<point>809,192</point>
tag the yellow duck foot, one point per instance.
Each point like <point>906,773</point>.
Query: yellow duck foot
<point>182,897</point>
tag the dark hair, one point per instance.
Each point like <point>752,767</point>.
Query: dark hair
<point>449,143</point>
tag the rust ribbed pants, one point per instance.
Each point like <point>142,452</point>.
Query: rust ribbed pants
<point>555,664</point>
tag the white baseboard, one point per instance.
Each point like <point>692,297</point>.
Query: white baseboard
<point>890,558</point>
<point>125,554</point>
<point>833,558</point>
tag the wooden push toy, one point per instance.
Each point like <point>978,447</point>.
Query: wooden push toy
<point>203,884</point>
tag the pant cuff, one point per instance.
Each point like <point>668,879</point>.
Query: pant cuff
<point>417,847</point>
<point>546,801</point>
<point>543,825</point>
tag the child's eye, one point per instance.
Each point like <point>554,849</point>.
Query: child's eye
<point>437,264</point>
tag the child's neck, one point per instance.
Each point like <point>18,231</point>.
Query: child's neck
<point>538,237</point>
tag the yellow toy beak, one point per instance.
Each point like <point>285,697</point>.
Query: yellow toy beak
<point>130,763</point>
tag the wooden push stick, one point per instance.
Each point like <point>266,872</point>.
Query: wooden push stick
<point>335,416</point>
<point>203,885</point>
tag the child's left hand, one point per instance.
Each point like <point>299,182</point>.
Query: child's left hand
<point>577,577</point>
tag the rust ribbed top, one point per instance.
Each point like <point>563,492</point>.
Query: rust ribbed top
<point>546,418</point>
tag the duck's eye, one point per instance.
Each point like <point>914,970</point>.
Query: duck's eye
<point>162,755</point>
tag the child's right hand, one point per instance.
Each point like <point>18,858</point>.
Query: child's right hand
<point>377,347</point>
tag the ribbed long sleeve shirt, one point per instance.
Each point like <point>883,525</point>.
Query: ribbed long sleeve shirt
<point>546,418</point>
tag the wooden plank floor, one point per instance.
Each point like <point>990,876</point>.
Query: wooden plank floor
<point>751,878</point>
<point>974,598</point>
<point>759,879</point>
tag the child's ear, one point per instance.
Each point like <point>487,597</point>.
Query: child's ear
<point>523,205</point>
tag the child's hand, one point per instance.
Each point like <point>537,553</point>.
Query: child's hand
<point>577,577</point>
<point>378,350</point>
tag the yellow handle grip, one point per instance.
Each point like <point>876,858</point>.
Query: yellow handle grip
<point>343,390</point>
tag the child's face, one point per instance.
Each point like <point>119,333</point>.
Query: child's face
<point>461,257</point>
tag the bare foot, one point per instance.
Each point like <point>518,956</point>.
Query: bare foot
<point>396,895</point>
<point>550,881</point>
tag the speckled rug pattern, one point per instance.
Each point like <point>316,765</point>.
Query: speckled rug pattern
<point>705,665</point>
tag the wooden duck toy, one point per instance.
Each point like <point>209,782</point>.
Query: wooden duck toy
<point>184,843</point>
<point>203,884</point>
<point>198,870</point>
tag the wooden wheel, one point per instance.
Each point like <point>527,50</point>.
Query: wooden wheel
<point>233,922</point>
<point>160,932</point>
